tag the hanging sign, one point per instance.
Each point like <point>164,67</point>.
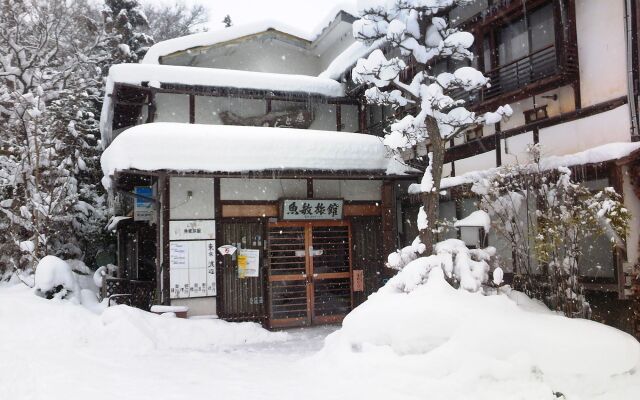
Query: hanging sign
<point>248,263</point>
<point>227,250</point>
<point>311,209</point>
<point>143,206</point>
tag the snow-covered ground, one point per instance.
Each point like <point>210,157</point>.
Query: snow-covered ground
<point>424,342</point>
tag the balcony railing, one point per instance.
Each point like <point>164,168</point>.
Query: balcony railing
<point>521,72</point>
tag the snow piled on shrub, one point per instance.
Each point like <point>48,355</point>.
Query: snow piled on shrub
<point>54,276</point>
<point>462,340</point>
<point>468,267</point>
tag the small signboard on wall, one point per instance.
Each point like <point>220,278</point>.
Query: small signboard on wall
<point>197,229</point>
<point>143,206</point>
<point>311,209</point>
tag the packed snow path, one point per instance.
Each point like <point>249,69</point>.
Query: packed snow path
<point>51,349</point>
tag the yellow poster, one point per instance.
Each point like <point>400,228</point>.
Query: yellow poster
<point>242,266</point>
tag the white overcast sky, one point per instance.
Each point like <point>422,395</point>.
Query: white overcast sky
<point>304,15</point>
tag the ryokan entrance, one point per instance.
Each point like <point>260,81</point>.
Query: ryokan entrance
<point>309,273</point>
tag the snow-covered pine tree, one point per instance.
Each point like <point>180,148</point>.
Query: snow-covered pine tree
<point>416,33</point>
<point>126,20</point>
<point>49,52</point>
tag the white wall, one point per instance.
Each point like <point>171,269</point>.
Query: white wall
<point>200,205</point>
<point>476,163</point>
<point>197,307</point>
<point>359,190</point>
<point>261,53</point>
<point>262,189</point>
<point>582,134</point>
<point>601,50</point>
<point>172,107</point>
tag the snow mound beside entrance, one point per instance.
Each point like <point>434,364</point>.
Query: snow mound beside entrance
<point>451,330</point>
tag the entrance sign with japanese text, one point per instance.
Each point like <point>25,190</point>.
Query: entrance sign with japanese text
<point>311,209</point>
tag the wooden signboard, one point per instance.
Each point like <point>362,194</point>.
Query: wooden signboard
<point>311,209</point>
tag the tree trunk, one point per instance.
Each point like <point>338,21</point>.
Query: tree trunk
<point>431,200</point>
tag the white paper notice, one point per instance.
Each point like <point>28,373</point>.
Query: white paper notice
<point>249,263</point>
<point>178,256</point>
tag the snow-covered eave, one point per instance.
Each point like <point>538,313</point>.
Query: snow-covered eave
<point>157,75</point>
<point>246,150</point>
<point>349,57</point>
<point>220,37</point>
<point>618,152</point>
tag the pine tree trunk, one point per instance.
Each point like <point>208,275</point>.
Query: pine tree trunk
<point>431,200</point>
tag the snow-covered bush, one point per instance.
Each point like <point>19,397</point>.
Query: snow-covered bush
<point>55,278</point>
<point>465,268</point>
<point>547,218</point>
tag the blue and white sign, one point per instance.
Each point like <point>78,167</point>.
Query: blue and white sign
<point>143,208</point>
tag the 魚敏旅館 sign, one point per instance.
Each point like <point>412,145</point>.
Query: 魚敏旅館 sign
<point>311,209</point>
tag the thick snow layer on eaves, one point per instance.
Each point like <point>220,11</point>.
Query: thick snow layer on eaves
<point>135,74</point>
<point>348,58</point>
<point>138,73</point>
<point>217,36</point>
<point>599,154</point>
<point>223,148</point>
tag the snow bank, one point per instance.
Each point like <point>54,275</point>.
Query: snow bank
<point>467,337</point>
<point>52,272</point>
<point>140,331</point>
<point>182,147</point>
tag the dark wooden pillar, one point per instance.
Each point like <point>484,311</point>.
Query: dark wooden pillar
<point>164,224</point>
<point>388,219</point>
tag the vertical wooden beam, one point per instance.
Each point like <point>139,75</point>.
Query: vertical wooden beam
<point>536,135</point>
<point>159,246</point>
<point>338,118</point>
<point>192,108</point>
<point>309,188</point>
<point>388,218</point>
<point>268,101</point>
<point>362,118</point>
<point>498,137</point>
<point>220,307</point>
<point>151,109</point>
<point>166,209</point>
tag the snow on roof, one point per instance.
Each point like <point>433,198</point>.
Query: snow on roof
<point>137,73</point>
<point>222,35</point>
<point>216,36</point>
<point>224,148</point>
<point>599,154</point>
<point>348,58</point>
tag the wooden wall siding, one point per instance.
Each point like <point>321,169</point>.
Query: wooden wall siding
<point>249,210</point>
<point>241,299</point>
<point>366,248</point>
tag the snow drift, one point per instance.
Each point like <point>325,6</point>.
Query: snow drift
<point>454,335</point>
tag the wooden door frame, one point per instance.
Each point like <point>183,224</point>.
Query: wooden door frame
<point>310,319</point>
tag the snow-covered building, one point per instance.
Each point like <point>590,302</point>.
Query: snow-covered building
<point>243,182</point>
<point>569,69</point>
